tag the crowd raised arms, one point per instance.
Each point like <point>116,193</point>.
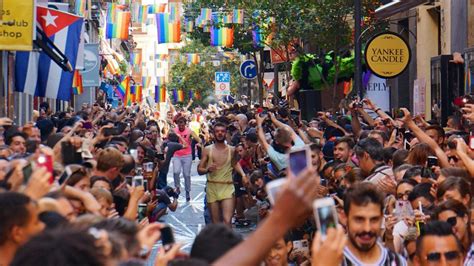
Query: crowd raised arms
<point>357,187</point>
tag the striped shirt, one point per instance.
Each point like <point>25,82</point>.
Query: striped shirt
<point>387,258</point>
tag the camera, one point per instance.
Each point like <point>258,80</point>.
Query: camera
<point>171,192</point>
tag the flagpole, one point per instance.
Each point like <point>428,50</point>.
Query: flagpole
<point>357,48</point>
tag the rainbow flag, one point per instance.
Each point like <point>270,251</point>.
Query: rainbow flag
<point>146,82</point>
<point>161,57</point>
<point>206,14</point>
<point>123,88</point>
<point>118,27</point>
<point>160,81</point>
<point>257,37</point>
<point>136,58</point>
<point>198,95</point>
<point>168,32</point>
<point>206,28</point>
<point>133,93</point>
<point>180,95</point>
<point>200,22</point>
<point>139,95</point>
<point>174,12</point>
<point>191,94</point>
<point>175,96</point>
<point>189,26</point>
<point>238,16</point>
<point>160,94</point>
<point>193,59</point>
<point>228,18</point>
<point>222,37</point>
<point>80,8</point>
<point>77,83</point>
<point>143,14</point>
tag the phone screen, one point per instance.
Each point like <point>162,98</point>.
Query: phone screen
<point>167,236</point>
<point>298,162</point>
<point>141,211</point>
<point>327,218</point>
<point>138,181</point>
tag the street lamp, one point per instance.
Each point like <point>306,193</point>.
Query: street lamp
<point>358,48</point>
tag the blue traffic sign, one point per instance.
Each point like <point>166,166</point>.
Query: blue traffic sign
<point>223,77</point>
<point>248,69</point>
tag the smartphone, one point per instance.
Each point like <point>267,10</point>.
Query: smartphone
<point>299,160</point>
<point>111,131</point>
<point>27,171</point>
<point>145,184</point>
<point>264,113</point>
<point>273,188</point>
<point>141,211</point>
<point>133,153</point>
<point>46,161</point>
<point>403,209</point>
<point>325,214</point>
<point>167,237</point>
<point>471,142</point>
<point>87,125</point>
<point>432,161</point>
<point>137,181</point>
<point>129,180</point>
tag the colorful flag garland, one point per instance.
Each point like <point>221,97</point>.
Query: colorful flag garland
<point>80,8</point>
<point>160,94</point>
<point>206,14</point>
<point>222,37</point>
<point>189,27</point>
<point>118,24</point>
<point>168,32</point>
<point>193,59</point>
<point>238,16</point>
<point>180,95</point>
<point>77,83</point>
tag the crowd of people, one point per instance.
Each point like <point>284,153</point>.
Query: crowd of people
<point>90,187</point>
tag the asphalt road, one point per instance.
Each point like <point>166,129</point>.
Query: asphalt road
<point>188,220</point>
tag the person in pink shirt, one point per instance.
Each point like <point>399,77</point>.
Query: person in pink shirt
<point>182,159</point>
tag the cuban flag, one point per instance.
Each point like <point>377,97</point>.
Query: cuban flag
<point>35,72</point>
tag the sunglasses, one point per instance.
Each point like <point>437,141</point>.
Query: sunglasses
<point>454,158</point>
<point>449,256</point>
<point>452,221</point>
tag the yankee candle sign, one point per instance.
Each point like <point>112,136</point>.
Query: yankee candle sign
<point>387,55</point>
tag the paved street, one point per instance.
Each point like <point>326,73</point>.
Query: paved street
<point>188,220</point>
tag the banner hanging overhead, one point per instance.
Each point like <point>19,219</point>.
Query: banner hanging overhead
<point>387,55</point>
<point>16,25</point>
<point>90,74</point>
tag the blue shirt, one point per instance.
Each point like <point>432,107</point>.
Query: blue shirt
<point>281,159</point>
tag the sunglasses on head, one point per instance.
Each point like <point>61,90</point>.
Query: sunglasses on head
<point>436,256</point>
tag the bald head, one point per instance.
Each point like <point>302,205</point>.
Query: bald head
<point>242,120</point>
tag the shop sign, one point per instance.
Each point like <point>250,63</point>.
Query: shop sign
<point>387,55</point>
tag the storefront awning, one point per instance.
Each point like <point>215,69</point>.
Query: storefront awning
<point>397,6</point>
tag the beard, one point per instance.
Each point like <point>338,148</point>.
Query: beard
<point>365,247</point>
<point>219,140</point>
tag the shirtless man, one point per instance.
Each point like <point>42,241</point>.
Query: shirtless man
<point>218,162</point>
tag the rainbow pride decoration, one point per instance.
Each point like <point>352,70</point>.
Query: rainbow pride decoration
<point>238,16</point>
<point>189,27</point>
<point>222,37</point>
<point>146,82</point>
<point>168,32</point>
<point>174,12</point>
<point>136,58</point>
<point>206,14</point>
<point>228,18</point>
<point>77,83</point>
<point>123,88</point>
<point>160,94</point>
<point>257,37</point>
<point>160,81</point>
<point>180,95</point>
<point>118,27</point>
<point>80,8</point>
<point>193,59</point>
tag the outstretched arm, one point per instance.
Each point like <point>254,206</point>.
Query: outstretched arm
<point>423,137</point>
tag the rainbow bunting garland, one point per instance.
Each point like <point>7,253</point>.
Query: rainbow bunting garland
<point>160,94</point>
<point>77,83</point>
<point>174,12</point>
<point>146,82</point>
<point>222,37</point>
<point>160,81</point>
<point>168,32</point>
<point>189,26</point>
<point>118,27</point>
<point>228,18</point>
<point>80,8</point>
<point>180,95</point>
<point>206,14</point>
<point>257,37</point>
<point>238,16</point>
<point>122,88</point>
<point>136,58</point>
<point>193,59</point>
